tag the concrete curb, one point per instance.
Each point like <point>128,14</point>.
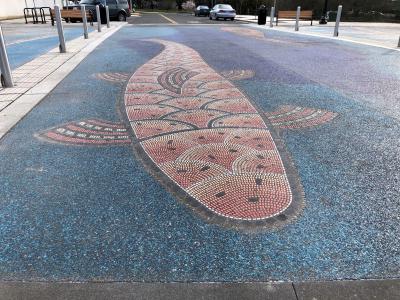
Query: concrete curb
<point>357,289</point>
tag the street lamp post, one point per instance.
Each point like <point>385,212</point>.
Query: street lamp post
<point>324,18</point>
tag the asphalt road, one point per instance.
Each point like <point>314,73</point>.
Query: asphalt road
<point>173,18</point>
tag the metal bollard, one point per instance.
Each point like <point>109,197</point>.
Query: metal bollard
<point>108,16</point>
<point>271,20</point>
<point>339,14</point>
<point>296,27</point>
<point>98,18</point>
<point>6,77</point>
<point>399,43</point>
<point>84,21</point>
<point>60,29</point>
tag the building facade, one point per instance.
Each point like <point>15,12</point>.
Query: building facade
<point>15,8</point>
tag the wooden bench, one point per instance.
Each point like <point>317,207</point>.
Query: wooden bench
<point>71,14</point>
<point>291,14</point>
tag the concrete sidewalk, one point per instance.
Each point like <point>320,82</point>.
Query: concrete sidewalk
<point>35,79</point>
<point>378,34</point>
<point>28,41</point>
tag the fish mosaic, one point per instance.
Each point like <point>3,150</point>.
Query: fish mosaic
<point>204,139</point>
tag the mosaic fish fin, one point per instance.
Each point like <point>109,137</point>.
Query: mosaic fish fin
<point>116,78</point>
<point>203,139</point>
<point>247,32</point>
<point>238,74</point>
<point>296,117</point>
<point>88,132</point>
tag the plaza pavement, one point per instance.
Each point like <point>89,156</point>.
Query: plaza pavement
<point>376,34</point>
<point>82,202</point>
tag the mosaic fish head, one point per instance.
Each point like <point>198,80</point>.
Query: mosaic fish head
<point>213,148</point>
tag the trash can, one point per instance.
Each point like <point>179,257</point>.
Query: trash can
<point>262,15</point>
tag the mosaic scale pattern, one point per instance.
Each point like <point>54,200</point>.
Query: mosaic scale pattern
<point>206,136</point>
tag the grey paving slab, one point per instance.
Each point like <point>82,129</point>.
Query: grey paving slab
<point>349,290</point>
<point>176,291</point>
<point>4,104</point>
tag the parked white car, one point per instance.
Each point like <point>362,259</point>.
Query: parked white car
<point>224,11</point>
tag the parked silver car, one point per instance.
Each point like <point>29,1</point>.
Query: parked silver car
<point>224,11</point>
<point>119,9</point>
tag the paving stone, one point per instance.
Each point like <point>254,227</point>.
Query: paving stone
<point>154,291</point>
<point>349,290</point>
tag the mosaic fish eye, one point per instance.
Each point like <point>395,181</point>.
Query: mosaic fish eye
<point>253,199</point>
<point>220,194</point>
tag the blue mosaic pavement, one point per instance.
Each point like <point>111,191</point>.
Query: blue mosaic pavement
<point>94,213</point>
<point>20,51</point>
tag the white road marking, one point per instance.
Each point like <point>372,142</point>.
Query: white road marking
<point>168,19</point>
